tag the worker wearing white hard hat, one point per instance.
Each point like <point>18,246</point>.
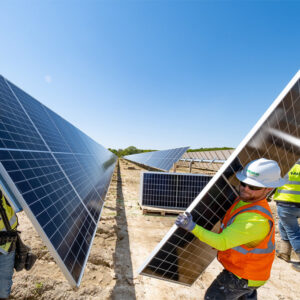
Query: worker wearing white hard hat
<point>246,241</point>
<point>261,173</point>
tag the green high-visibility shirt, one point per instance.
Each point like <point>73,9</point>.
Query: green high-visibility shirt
<point>247,229</point>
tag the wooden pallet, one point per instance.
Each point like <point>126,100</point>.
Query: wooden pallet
<point>160,210</point>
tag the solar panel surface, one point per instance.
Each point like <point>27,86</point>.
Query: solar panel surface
<point>171,190</point>
<point>56,173</point>
<point>162,160</point>
<point>180,257</point>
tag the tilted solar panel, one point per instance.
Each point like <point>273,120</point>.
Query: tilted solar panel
<point>180,257</point>
<point>208,160</point>
<point>161,160</point>
<point>171,190</point>
<point>56,173</point>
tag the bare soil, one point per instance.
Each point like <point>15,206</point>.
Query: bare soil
<point>124,239</point>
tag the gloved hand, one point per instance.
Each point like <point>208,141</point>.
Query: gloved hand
<point>185,221</point>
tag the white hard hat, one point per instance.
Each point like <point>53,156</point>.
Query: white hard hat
<point>262,173</point>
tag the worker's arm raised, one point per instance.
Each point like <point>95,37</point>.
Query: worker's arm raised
<point>248,228</point>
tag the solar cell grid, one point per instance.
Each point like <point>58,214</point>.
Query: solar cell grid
<point>92,146</point>
<point>15,128</point>
<point>69,133</point>
<point>171,190</point>
<point>59,134</point>
<point>276,136</point>
<point>56,173</point>
<point>39,116</point>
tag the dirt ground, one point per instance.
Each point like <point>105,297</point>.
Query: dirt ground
<point>124,239</point>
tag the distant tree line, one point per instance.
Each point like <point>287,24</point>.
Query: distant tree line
<point>128,151</point>
<point>210,149</point>
<point>133,150</point>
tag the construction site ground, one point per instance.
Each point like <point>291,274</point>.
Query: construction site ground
<point>125,238</point>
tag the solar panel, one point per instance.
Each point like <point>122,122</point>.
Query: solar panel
<point>208,160</point>
<point>56,173</point>
<point>161,160</point>
<point>180,257</point>
<point>171,190</point>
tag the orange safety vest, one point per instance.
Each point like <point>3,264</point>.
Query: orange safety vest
<point>250,263</point>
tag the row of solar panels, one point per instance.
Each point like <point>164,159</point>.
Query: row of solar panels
<point>56,173</point>
<point>161,160</point>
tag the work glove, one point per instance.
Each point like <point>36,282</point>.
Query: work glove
<point>185,221</point>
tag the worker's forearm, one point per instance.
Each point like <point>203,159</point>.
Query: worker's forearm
<point>245,229</point>
<point>215,240</point>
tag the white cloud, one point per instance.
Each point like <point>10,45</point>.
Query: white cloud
<point>48,78</point>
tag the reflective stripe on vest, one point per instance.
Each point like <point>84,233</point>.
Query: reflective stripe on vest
<point>271,245</point>
<point>255,207</point>
<point>270,248</point>
<point>293,182</point>
<point>12,221</point>
<point>288,192</point>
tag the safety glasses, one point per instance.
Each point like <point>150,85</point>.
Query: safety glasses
<point>251,187</point>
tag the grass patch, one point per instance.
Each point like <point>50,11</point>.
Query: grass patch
<point>39,287</point>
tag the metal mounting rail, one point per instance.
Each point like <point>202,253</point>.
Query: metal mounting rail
<point>215,161</point>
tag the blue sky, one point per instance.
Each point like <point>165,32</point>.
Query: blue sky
<point>153,74</point>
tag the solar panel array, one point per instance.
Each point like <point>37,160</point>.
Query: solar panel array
<point>161,160</point>
<point>171,190</point>
<point>56,173</point>
<point>208,160</point>
<point>180,257</point>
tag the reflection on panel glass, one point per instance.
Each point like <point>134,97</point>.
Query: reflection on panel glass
<point>161,160</point>
<point>180,257</point>
<point>58,175</point>
<point>171,190</point>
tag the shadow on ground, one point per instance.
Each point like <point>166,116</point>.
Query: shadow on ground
<point>124,288</point>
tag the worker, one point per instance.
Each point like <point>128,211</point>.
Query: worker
<point>8,221</point>
<point>246,241</point>
<point>287,199</point>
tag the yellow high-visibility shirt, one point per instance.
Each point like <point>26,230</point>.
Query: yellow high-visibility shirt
<point>290,192</point>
